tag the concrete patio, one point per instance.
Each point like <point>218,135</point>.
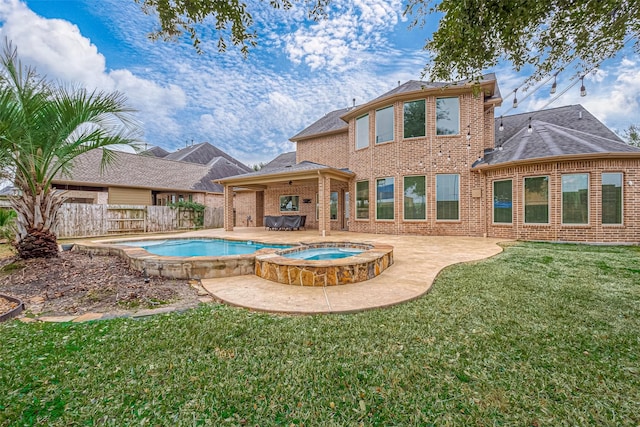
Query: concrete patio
<point>418,260</point>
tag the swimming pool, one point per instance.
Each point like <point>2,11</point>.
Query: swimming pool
<point>320,254</point>
<point>201,247</point>
<point>195,258</point>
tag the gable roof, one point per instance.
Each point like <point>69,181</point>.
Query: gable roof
<point>563,131</point>
<point>337,121</point>
<point>145,171</point>
<point>330,123</point>
<point>156,151</point>
<point>203,153</point>
<point>282,160</point>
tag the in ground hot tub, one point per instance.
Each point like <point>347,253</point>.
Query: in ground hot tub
<point>325,264</point>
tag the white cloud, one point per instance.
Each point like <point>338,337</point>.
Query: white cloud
<point>57,49</point>
<point>343,41</point>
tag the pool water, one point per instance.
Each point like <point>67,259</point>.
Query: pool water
<point>320,254</point>
<point>202,247</point>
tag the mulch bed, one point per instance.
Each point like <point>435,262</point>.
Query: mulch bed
<point>75,283</point>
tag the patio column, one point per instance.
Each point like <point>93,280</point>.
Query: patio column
<point>228,208</point>
<point>324,199</point>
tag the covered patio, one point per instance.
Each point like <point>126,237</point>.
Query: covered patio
<point>318,192</point>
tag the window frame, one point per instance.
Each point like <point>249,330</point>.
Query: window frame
<point>393,199</point>
<point>404,189</point>
<point>392,124</point>
<point>493,208</point>
<point>457,133</point>
<point>524,200</point>
<point>368,200</point>
<point>404,119</point>
<point>357,139</point>
<point>457,219</point>
<point>562,207</point>
<point>612,224</point>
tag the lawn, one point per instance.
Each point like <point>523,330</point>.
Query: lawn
<point>541,334</point>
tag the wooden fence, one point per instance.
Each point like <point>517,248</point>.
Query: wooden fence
<point>84,220</point>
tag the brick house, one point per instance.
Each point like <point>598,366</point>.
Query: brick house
<point>432,159</point>
<point>155,177</point>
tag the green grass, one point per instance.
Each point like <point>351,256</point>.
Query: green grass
<point>539,335</point>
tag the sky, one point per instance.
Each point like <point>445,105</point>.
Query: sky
<point>300,70</point>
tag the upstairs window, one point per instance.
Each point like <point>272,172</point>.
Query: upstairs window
<point>384,125</point>
<point>447,116</point>
<point>362,132</point>
<point>414,119</point>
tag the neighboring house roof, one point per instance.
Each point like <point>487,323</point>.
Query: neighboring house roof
<point>9,190</point>
<point>203,154</point>
<point>156,151</point>
<point>140,171</point>
<point>282,160</point>
<point>563,131</point>
<point>330,123</point>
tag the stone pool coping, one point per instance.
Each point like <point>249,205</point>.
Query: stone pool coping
<point>366,265</point>
<point>371,262</point>
<point>175,267</point>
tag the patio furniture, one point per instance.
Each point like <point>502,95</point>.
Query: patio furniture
<point>285,222</point>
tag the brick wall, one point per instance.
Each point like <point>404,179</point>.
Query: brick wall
<point>329,150</point>
<point>248,203</point>
<point>594,231</point>
<point>429,156</point>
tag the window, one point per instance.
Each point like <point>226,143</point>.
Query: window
<point>612,198</point>
<point>289,204</point>
<point>415,201</point>
<point>333,205</point>
<point>414,119</point>
<point>384,125</point>
<point>362,200</point>
<point>447,116</point>
<point>362,132</point>
<point>502,202</point>
<point>575,198</point>
<point>384,198</point>
<point>447,197</point>
<point>536,200</point>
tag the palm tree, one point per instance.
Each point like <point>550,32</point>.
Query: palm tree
<point>43,128</point>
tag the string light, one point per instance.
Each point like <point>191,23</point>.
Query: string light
<point>554,86</point>
<point>515,98</point>
<point>583,90</point>
<point>501,127</point>
<point>530,129</point>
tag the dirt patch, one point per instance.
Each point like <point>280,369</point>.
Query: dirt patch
<point>75,283</point>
